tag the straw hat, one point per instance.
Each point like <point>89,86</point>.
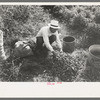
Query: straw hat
<point>54,24</point>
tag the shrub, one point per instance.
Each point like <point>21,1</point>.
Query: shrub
<point>67,15</point>
<point>79,22</point>
<point>93,34</point>
<point>22,20</point>
<point>61,13</point>
<point>20,13</point>
<point>55,11</point>
<point>97,18</point>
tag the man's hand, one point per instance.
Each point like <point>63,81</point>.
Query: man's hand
<point>54,53</point>
<point>61,51</point>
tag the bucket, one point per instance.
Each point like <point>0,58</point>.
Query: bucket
<point>94,56</point>
<point>68,44</point>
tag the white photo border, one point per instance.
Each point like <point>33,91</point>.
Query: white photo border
<point>41,89</point>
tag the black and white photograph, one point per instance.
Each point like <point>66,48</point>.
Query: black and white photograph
<point>49,43</point>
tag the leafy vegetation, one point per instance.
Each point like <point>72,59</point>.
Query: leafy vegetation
<point>22,22</point>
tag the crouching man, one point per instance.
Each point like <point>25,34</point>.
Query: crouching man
<point>47,35</point>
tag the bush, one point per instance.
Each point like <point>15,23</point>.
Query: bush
<point>22,21</point>
<point>79,22</point>
<point>67,14</point>
<point>92,34</point>
<point>61,13</point>
<point>55,11</point>
<point>20,13</point>
<point>97,18</point>
<point>63,66</point>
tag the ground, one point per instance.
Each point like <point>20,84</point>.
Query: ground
<point>64,67</point>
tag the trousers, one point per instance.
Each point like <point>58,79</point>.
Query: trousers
<point>40,41</point>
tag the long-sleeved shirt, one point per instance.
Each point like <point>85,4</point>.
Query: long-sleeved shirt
<point>45,33</point>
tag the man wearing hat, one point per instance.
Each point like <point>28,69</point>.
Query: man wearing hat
<point>47,35</point>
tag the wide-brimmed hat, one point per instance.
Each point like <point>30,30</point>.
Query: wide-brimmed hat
<point>54,24</point>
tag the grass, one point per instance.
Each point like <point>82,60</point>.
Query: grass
<point>62,68</point>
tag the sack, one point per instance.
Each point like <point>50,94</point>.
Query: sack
<point>22,49</point>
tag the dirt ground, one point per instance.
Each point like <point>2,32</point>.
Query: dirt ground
<point>64,67</point>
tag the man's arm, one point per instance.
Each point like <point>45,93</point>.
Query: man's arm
<point>46,42</point>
